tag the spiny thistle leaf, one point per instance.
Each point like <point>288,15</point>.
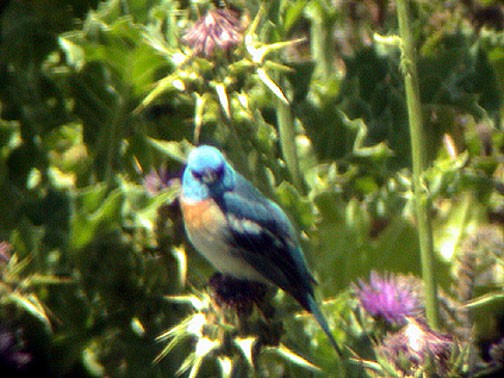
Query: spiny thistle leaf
<point>189,362</point>
<point>174,150</point>
<point>199,111</point>
<point>273,87</point>
<point>293,357</point>
<point>259,53</point>
<point>180,256</point>
<point>167,349</point>
<point>246,345</point>
<point>205,346</point>
<point>43,280</point>
<point>195,359</point>
<point>190,326</point>
<point>371,366</point>
<point>168,83</point>
<point>198,303</point>
<point>15,267</point>
<point>220,88</point>
<point>494,297</point>
<point>147,215</point>
<point>198,361</point>
<point>33,306</point>
<point>226,366</point>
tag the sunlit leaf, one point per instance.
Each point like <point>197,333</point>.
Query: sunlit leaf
<point>277,91</point>
<point>293,357</point>
<point>92,220</point>
<point>226,365</point>
<point>493,298</point>
<point>293,14</point>
<point>31,304</point>
<point>174,150</point>
<point>223,98</point>
<point>457,220</point>
<point>246,345</point>
<point>171,82</point>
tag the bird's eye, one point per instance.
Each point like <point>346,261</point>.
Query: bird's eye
<point>219,172</point>
<point>209,176</point>
<point>198,176</point>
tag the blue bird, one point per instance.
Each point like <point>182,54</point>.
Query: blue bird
<point>242,233</point>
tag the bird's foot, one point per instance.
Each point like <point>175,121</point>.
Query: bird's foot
<point>235,293</point>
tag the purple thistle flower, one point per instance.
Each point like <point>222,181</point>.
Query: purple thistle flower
<point>218,29</point>
<point>5,251</point>
<point>12,356</point>
<point>496,353</point>
<point>409,349</point>
<point>389,297</point>
<point>158,179</point>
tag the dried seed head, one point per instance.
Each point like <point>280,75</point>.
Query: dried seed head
<point>219,29</point>
<point>410,349</point>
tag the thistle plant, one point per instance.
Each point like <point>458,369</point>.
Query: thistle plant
<point>390,298</point>
<point>311,100</point>
<point>416,349</point>
<point>233,59</point>
<point>230,326</point>
<point>20,299</point>
<point>14,359</point>
<point>18,287</point>
<point>409,347</point>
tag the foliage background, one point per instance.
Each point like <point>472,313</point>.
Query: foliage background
<point>94,96</point>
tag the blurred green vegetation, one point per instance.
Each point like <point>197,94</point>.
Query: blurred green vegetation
<point>96,96</point>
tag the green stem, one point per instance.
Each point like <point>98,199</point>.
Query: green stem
<point>321,41</point>
<point>288,143</point>
<point>418,139</point>
<point>110,154</point>
<point>112,140</point>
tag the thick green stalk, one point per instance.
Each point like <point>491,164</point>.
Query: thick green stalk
<point>111,143</point>
<point>287,133</point>
<point>418,140</point>
<point>322,48</point>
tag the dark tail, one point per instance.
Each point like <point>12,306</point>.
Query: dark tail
<point>315,310</point>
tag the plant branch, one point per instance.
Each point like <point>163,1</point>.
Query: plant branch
<point>417,137</point>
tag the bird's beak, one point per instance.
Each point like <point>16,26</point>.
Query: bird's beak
<point>209,177</point>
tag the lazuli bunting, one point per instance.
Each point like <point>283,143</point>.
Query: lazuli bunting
<point>242,233</point>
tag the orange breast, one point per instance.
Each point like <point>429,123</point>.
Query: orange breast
<point>203,216</point>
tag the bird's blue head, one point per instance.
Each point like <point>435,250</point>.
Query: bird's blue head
<point>207,174</point>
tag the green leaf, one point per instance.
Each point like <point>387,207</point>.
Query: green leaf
<point>113,67</point>
<point>293,357</point>
<point>457,220</point>
<point>295,205</point>
<point>31,304</point>
<point>168,83</point>
<point>292,15</point>
<point>174,150</point>
<point>272,86</point>
<point>493,299</point>
<point>98,212</point>
<point>246,344</point>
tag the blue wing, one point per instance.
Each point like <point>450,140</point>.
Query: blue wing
<point>266,239</point>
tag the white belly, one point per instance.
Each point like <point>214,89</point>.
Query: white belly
<point>208,232</point>
<point>223,258</point>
